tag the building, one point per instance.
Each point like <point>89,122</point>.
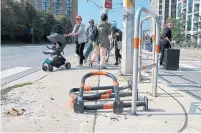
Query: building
<point>68,8</point>
<point>189,11</point>
<point>199,36</point>
<point>165,9</point>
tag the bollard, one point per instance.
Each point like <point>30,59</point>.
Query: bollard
<point>135,56</point>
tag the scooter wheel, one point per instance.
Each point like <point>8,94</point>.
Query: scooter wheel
<point>50,68</point>
<point>44,68</point>
<point>67,65</point>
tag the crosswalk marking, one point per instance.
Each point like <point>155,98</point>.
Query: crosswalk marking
<point>13,71</point>
<point>187,66</point>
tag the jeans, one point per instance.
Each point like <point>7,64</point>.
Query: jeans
<point>79,51</point>
<point>88,50</point>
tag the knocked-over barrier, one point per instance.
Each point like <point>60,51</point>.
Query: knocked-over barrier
<point>112,92</point>
<point>154,66</point>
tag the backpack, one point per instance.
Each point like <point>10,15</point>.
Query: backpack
<point>94,35</point>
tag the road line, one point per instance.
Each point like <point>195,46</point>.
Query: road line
<point>18,76</point>
<point>13,71</point>
<point>188,66</point>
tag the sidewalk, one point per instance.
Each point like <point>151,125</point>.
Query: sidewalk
<point>47,107</point>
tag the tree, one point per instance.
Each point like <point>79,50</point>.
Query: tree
<point>64,24</point>
<point>16,18</point>
<point>178,31</point>
<point>48,21</point>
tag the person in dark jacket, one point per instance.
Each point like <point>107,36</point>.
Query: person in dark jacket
<point>117,37</point>
<point>165,40</point>
<point>88,33</point>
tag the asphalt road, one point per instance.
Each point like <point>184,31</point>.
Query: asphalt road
<point>187,78</point>
<point>26,56</point>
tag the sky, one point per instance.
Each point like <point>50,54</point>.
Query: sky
<point>89,10</point>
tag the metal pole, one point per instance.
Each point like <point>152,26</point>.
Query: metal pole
<point>135,63</point>
<point>140,51</point>
<point>153,53</point>
<point>141,45</point>
<point>127,39</point>
<point>157,48</point>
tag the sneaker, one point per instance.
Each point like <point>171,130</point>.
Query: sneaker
<point>116,63</point>
<point>77,56</point>
<point>80,65</point>
<point>90,64</point>
<point>103,67</point>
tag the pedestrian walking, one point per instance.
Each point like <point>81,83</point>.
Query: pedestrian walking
<point>91,35</point>
<point>80,38</point>
<point>110,49</point>
<point>117,42</point>
<point>103,42</point>
<point>165,39</point>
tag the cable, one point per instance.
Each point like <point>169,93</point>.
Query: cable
<point>183,108</point>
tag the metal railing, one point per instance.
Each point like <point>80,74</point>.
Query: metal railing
<point>140,46</point>
<point>155,53</point>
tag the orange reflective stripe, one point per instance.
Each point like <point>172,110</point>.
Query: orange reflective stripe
<point>104,96</point>
<point>108,106</point>
<point>115,83</point>
<point>136,42</point>
<point>82,85</point>
<point>72,100</point>
<point>153,38</point>
<point>99,73</point>
<point>88,88</point>
<point>157,48</point>
<point>109,92</point>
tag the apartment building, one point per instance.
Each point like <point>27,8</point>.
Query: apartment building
<point>164,9</point>
<point>189,11</point>
<point>199,30</point>
<point>68,8</point>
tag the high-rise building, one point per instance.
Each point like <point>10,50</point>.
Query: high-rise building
<point>189,11</point>
<point>68,8</point>
<point>165,9</point>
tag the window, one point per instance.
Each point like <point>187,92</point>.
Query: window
<point>196,8</point>
<point>160,12</point>
<point>161,1</point>
<point>190,6</point>
<point>36,4</point>
<point>160,7</point>
<point>179,10</point>
<point>45,4</point>
<point>195,28</point>
<point>189,22</point>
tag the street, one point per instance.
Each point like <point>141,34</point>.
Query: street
<point>20,61</point>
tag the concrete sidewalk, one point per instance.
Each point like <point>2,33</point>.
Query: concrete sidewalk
<point>47,107</point>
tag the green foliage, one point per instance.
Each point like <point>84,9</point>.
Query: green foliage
<point>178,31</point>
<point>17,18</point>
<point>64,24</point>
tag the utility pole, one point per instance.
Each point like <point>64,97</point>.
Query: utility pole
<point>128,35</point>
